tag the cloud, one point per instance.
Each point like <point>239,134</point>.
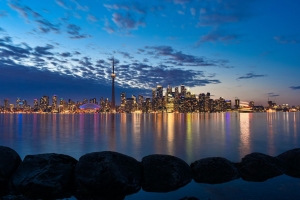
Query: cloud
<point>287,39</point>
<point>2,30</point>
<point>125,54</point>
<point>3,13</point>
<point>80,7</point>
<point>133,6</point>
<point>73,30</point>
<point>182,2</point>
<point>295,87</point>
<point>127,21</point>
<point>45,26</point>
<point>91,18</point>
<point>177,58</point>
<point>217,36</point>
<point>108,27</point>
<point>62,4</point>
<point>271,94</point>
<point>146,76</point>
<point>250,76</point>
<point>215,12</point>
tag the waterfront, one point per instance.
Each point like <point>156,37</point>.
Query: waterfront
<point>188,136</point>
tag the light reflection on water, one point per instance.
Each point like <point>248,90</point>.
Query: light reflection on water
<point>187,136</point>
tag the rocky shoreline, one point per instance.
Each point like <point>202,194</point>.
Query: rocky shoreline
<point>112,175</point>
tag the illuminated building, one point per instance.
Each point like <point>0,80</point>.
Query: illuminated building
<point>18,103</point>
<point>182,91</point>
<point>35,105</point>
<point>237,103</point>
<point>123,99</point>
<point>6,103</point>
<point>44,103</point>
<point>54,102</point>
<point>113,76</point>
<point>159,91</point>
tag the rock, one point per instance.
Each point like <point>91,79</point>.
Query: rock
<point>107,175</point>
<point>189,198</point>
<point>259,167</point>
<point>164,173</point>
<point>9,162</point>
<point>15,197</point>
<point>45,176</point>
<point>214,170</point>
<point>292,159</point>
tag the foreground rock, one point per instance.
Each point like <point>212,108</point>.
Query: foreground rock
<point>259,167</point>
<point>214,170</point>
<point>292,159</point>
<point>107,175</point>
<point>164,173</point>
<point>45,176</point>
<point>9,161</point>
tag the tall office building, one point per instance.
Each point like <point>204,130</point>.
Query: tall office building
<point>182,90</point>
<point>54,102</point>
<point>6,103</point>
<point>113,76</point>
<point>35,104</point>
<point>159,91</point>
<point>123,99</point>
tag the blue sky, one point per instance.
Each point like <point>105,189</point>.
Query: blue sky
<point>230,48</point>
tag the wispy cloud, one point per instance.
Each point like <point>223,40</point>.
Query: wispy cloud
<point>62,4</point>
<point>74,32</point>
<point>218,36</point>
<point>215,13</point>
<point>3,13</point>
<point>287,39</point>
<point>250,76</point>
<point>272,94</point>
<point>127,21</point>
<point>177,58</point>
<point>295,87</point>
<point>91,18</point>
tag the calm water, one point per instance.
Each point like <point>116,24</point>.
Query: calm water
<point>188,136</point>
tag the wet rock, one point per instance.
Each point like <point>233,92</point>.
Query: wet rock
<point>9,162</point>
<point>45,176</point>
<point>107,175</point>
<point>164,173</point>
<point>292,159</point>
<point>214,170</point>
<point>189,198</point>
<point>259,167</point>
<point>15,197</point>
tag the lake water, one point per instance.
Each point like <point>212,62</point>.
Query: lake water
<point>187,136</point>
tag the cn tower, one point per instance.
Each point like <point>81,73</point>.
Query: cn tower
<point>113,76</point>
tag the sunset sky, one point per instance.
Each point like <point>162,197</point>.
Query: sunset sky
<point>248,49</point>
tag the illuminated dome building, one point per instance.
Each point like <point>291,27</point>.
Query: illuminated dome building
<point>89,107</point>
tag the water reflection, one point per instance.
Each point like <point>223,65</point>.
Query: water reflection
<point>244,134</point>
<point>188,136</point>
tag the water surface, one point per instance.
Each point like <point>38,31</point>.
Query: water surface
<point>187,136</point>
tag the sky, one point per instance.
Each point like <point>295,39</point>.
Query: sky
<point>246,49</point>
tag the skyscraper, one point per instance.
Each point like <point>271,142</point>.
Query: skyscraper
<point>113,76</point>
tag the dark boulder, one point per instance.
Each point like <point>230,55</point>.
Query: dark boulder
<point>45,176</point>
<point>189,198</point>
<point>164,173</point>
<point>15,197</point>
<point>214,170</point>
<point>259,167</point>
<point>292,159</point>
<point>107,175</point>
<point>9,162</point>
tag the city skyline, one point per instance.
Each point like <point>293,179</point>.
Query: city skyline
<point>230,48</point>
